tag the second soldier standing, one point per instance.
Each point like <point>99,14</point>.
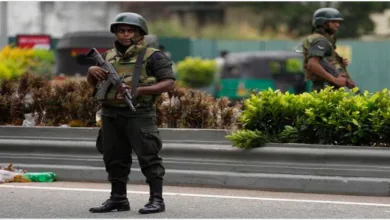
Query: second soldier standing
<point>322,44</point>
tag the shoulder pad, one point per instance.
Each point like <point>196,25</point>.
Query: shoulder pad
<point>312,38</point>
<point>315,37</point>
<point>149,52</point>
<point>110,55</point>
<point>151,49</point>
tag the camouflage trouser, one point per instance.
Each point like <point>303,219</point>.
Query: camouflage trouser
<point>120,135</point>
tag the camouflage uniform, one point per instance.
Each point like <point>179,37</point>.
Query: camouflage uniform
<point>321,44</point>
<point>123,130</point>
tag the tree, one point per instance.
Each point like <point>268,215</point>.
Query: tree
<point>298,15</point>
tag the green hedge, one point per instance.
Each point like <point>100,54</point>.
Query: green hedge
<point>195,72</point>
<point>327,117</point>
<point>15,61</point>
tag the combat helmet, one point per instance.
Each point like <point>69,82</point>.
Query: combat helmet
<point>130,19</point>
<point>323,15</point>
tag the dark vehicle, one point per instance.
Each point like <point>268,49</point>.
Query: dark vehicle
<point>244,72</point>
<point>73,47</point>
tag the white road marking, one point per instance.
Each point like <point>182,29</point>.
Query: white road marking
<point>203,195</point>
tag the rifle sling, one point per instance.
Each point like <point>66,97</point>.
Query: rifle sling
<point>137,71</point>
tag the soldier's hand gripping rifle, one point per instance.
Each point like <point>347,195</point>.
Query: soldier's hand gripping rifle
<point>332,70</point>
<point>326,65</point>
<point>112,77</point>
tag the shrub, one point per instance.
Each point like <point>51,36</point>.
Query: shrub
<point>71,103</point>
<point>16,61</point>
<point>188,108</point>
<point>7,88</point>
<point>248,139</point>
<point>334,117</point>
<point>196,72</point>
<point>52,105</point>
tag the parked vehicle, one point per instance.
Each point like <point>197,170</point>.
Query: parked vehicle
<point>244,72</point>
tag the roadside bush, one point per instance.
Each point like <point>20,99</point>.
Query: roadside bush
<point>7,88</point>
<point>195,72</point>
<point>71,103</point>
<point>16,61</point>
<point>51,105</point>
<point>188,108</point>
<point>326,117</point>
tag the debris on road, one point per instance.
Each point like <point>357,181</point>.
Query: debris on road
<point>10,174</point>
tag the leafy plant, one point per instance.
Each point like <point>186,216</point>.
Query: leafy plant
<point>334,117</point>
<point>51,104</point>
<point>247,139</point>
<point>7,88</point>
<point>71,103</point>
<point>15,61</point>
<point>196,72</point>
<point>188,108</point>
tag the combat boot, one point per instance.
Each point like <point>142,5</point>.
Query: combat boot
<point>155,204</point>
<point>111,205</point>
<point>118,200</point>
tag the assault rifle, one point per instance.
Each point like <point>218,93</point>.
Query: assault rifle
<point>112,78</point>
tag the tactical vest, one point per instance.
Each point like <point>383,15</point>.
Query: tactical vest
<point>125,69</point>
<point>334,58</point>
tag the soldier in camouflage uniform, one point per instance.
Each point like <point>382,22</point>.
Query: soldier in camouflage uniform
<point>322,44</point>
<point>124,130</point>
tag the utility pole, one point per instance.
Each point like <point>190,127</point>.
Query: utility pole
<point>42,9</point>
<point>3,24</point>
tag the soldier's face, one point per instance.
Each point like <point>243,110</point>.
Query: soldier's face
<point>334,26</point>
<point>125,34</point>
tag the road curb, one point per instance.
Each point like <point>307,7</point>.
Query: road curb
<point>258,181</point>
<point>205,157</point>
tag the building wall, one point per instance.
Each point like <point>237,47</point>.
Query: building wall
<point>382,23</point>
<point>57,18</point>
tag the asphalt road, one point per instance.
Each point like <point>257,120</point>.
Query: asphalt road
<point>72,200</point>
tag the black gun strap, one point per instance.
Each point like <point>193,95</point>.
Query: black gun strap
<point>137,71</point>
